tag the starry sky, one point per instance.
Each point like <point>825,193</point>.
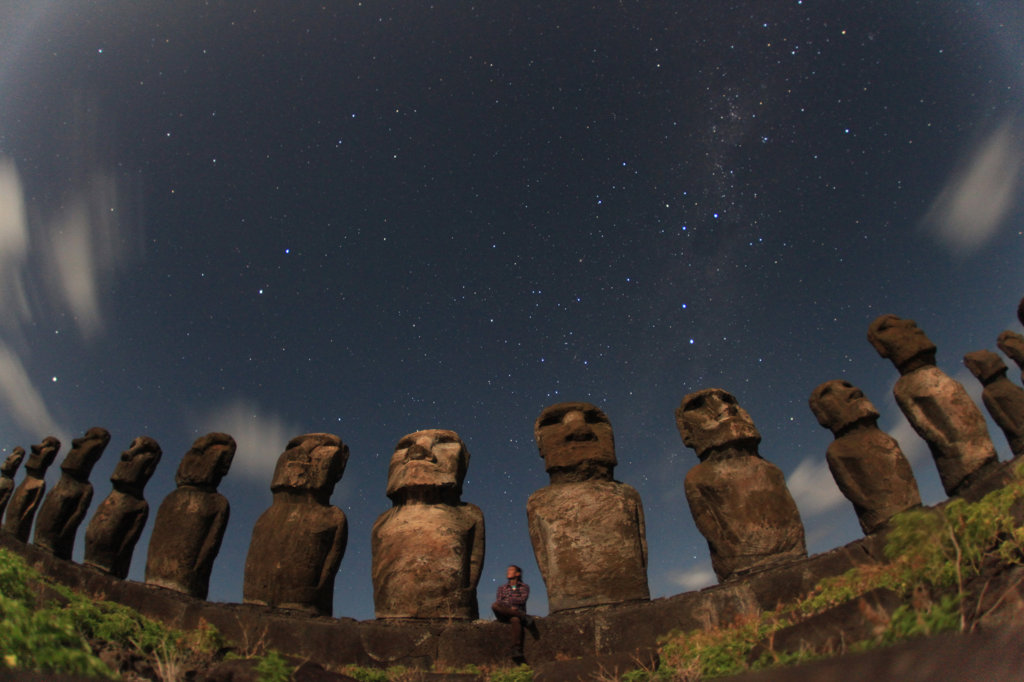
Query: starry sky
<point>369,218</point>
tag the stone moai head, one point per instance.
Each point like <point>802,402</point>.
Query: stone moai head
<point>432,458</point>
<point>137,464</point>
<point>85,451</point>
<point>711,419</point>
<point>313,462</point>
<point>576,438</point>
<point>42,456</point>
<point>12,462</point>
<point>1012,344</point>
<point>838,405</point>
<point>207,461</point>
<point>985,365</point>
<point>901,341</point>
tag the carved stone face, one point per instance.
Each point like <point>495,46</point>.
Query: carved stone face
<point>571,435</point>
<point>207,461</point>
<point>430,458</point>
<point>42,455</point>
<point>899,339</point>
<point>712,418</point>
<point>13,461</point>
<point>314,462</point>
<point>985,365</point>
<point>1012,344</point>
<point>85,450</point>
<point>137,463</point>
<point>837,404</point>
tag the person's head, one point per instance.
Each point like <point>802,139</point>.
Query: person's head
<point>432,458</point>
<point>137,464</point>
<point>85,451</point>
<point>838,404</point>
<point>712,418</point>
<point>313,462</point>
<point>207,461</point>
<point>514,572</point>
<point>901,341</point>
<point>575,436</point>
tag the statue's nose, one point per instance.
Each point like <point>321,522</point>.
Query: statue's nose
<point>579,430</point>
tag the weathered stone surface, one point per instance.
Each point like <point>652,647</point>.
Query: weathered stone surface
<point>1012,344</point>
<point>428,549</point>
<point>587,529</point>
<point>116,525</point>
<point>937,407</point>
<point>65,506</point>
<point>7,471</point>
<point>739,501</point>
<point>191,521</point>
<point>1003,399</point>
<point>298,543</point>
<point>22,507</point>
<point>866,463</point>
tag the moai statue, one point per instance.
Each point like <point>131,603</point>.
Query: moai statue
<point>587,529</point>
<point>191,520</point>
<point>1003,398</point>
<point>936,406</point>
<point>117,523</point>
<point>428,549</point>
<point>65,506</point>
<point>1012,344</point>
<point>298,543</point>
<point>866,463</point>
<point>739,501</point>
<point>24,503</point>
<point>7,470</point>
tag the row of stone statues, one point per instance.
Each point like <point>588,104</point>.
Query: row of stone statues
<point>587,529</point>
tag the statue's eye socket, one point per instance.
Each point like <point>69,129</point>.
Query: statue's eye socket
<point>447,439</point>
<point>404,444</point>
<point>594,417</point>
<point>695,403</point>
<point>551,419</point>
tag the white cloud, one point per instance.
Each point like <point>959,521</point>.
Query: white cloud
<point>693,578</point>
<point>813,488</point>
<point>21,399</point>
<point>978,196</point>
<point>261,438</point>
<point>14,245</point>
<point>83,246</point>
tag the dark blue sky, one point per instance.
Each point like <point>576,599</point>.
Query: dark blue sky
<point>382,217</point>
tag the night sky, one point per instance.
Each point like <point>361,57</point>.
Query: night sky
<point>371,218</point>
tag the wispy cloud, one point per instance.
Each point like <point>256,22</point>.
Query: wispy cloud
<point>813,488</point>
<point>20,398</point>
<point>14,245</point>
<point>261,437</point>
<point>693,578</point>
<point>82,246</point>
<point>979,194</point>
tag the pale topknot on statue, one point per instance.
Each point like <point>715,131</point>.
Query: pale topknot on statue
<point>587,529</point>
<point>738,500</point>
<point>65,506</point>
<point>299,541</point>
<point>22,507</point>
<point>866,463</point>
<point>1003,399</point>
<point>116,525</point>
<point>428,549</point>
<point>191,520</point>
<point>936,406</point>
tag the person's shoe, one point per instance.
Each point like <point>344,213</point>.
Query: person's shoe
<point>517,655</point>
